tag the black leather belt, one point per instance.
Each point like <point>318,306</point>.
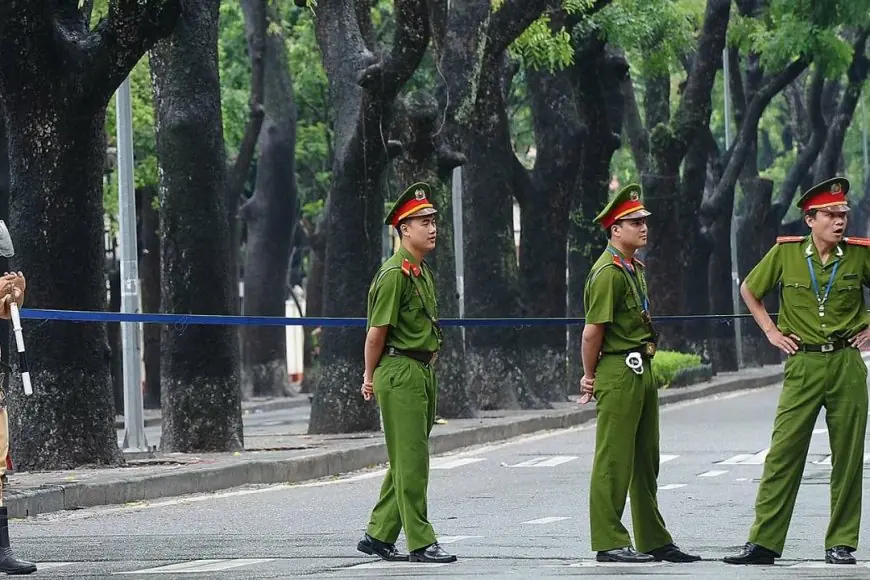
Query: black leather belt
<point>423,356</point>
<point>646,350</point>
<point>832,346</point>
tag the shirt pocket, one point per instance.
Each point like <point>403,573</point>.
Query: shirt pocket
<point>846,293</point>
<point>798,293</point>
<point>413,302</point>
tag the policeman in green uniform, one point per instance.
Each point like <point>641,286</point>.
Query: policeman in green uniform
<point>618,346</point>
<point>402,342</point>
<point>822,323</point>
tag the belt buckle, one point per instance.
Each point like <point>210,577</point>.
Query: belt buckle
<point>829,347</point>
<point>649,349</point>
<point>433,358</point>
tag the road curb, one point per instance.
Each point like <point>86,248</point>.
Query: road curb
<point>125,488</point>
<point>264,407</point>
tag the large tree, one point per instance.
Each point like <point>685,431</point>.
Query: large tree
<point>269,214</point>
<point>364,80</point>
<point>201,396</point>
<point>57,75</point>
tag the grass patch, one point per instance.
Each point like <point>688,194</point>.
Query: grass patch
<point>668,363</point>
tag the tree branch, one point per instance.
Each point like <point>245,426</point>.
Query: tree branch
<point>808,155</point>
<point>256,24</point>
<point>638,137</point>
<point>747,133</point>
<point>129,30</point>
<point>857,74</point>
<point>515,16</point>
<point>694,108</point>
<point>391,72</point>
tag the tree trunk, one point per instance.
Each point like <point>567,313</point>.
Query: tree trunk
<point>416,121</point>
<point>113,333</point>
<point>57,228</point>
<point>669,145</point>
<point>362,86</point>
<point>489,188</point>
<point>313,306</point>
<point>269,217</point>
<point>201,397</point>
<point>54,102</point>
<point>149,273</point>
<point>598,83</point>
<point>544,218</point>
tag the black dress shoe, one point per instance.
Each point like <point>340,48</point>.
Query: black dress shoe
<point>672,553</point>
<point>752,554</point>
<point>433,554</point>
<point>626,555</point>
<point>839,555</point>
<point>373,547</point>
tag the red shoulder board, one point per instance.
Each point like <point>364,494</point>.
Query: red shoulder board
<point>789,239</point>
<point>857,241</point>
<point>408,268</point>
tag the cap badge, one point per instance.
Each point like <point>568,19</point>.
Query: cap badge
<point>419,195</point>
<point>633,196</point>
<point>835,188</point>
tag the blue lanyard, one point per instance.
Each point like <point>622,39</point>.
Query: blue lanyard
<point>815,282</point>
<point>635,280</point>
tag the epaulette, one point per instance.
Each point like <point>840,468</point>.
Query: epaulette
<point>408,268</point>
<point>857,241</point>
<point>789,239</point>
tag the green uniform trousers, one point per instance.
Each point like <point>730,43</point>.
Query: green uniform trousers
<point>626,458</point>
<point>407,394</point>
<point>837,380</point>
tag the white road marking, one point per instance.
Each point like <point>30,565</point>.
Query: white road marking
<point>821,565</point>
<point>453,539</point>
<point>666,458</point>
<point>380,564</point>
<point>49,565</point>
<point>671,486</point>
<point>746,459</point>
<point>714,473</point>
<point>597,564</point>
<point>448,463</point>
<point>546,461</point>
<point>549,520</point>
<point>199,566</point>
<point>742,479</point>
<point>820,430</point>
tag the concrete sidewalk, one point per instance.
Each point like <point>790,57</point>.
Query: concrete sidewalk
<point>258,405</point>
<point>294,458</point>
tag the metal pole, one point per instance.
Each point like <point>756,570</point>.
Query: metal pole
<point>864,143</point>
<point>735,273</point>
<point>456,198</point>
<point>134,421</point>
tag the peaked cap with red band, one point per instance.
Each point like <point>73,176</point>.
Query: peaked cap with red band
<point>626,205</point>
<point>830,194</point>
<point>414,202</point>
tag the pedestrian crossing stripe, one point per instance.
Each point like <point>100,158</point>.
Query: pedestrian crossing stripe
<point>817,564</point>
<point>746,459</point>
<point>382,564</point>
<point>546,461</point>
<point>198,566</point>
<point>448,463</point>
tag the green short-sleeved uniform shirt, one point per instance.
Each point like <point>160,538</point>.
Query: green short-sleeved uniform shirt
<point>844,311</point>
<point>613,298</point>
<point>406,303</point>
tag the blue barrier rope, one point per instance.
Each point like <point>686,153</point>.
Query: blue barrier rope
<point>213,319</point>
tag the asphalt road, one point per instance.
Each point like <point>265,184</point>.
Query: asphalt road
<point>515,510</point>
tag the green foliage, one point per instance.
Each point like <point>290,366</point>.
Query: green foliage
<point>654,33</point>
<point>790,28</point>
<point>667,364</point>
<point>541,46</point>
